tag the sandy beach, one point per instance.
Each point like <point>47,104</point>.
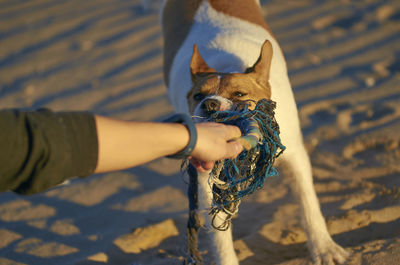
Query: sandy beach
<point>105,56</point>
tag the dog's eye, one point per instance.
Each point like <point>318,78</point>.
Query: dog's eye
<point>239,94</point>
<point>199,96</point>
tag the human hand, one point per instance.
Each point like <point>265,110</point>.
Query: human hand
<point>215,141</point>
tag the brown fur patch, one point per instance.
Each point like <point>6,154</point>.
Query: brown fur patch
<point>235,87</point>
<point>250,86</point>
<point>198,65</point>
<point>247,10</point>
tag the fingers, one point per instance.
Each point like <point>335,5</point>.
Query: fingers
<point>207,165</point>
<point>233,132</point>
<point>201,166</point>
<point>215,142</point>
<point>233,149</point>
<point>197,164</point>
<point>228,132</point>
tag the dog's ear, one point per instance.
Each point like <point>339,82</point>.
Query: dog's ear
<point>260,70</point>
<point>198,65</point>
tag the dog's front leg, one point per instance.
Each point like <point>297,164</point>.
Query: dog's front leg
<point>222,243</point>
<point>323,249</point>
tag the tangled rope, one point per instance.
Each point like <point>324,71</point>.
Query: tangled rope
<point>232,179</point>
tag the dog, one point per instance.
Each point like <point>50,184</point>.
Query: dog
<point>218,53</point>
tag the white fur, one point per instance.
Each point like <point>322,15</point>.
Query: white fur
<point>230,44</point>
<point>222,242</point>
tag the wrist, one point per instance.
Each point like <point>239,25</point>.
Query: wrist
<point>187,121</point>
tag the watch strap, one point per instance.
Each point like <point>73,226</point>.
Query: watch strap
<point>189,124</point>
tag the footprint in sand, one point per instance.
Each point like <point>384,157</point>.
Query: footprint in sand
<point>367,116</point>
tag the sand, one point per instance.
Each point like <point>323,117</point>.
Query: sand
<point>106,56</point>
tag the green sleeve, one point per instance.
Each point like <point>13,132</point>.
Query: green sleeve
<point>41,149</point>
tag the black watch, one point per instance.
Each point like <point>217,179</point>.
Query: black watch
<point>188,122</point>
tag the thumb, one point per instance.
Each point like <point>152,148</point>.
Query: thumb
<point>233,149</point>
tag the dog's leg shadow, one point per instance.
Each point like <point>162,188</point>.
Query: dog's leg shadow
<point>193,255</point>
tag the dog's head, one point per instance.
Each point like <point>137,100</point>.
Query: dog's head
<point>213,91</point>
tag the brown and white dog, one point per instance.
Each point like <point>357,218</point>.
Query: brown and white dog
<point>240,60</point>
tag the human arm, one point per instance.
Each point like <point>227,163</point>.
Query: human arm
<point>126,144</point>
<point>41,149</point>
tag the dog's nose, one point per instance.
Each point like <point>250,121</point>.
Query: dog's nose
<point>211,105</point>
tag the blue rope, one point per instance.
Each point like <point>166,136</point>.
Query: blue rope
<point>246,174</point>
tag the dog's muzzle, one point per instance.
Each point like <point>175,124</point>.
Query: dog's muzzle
<point>210,105</point>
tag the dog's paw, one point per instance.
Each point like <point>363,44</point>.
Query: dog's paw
<point>327,252</point>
